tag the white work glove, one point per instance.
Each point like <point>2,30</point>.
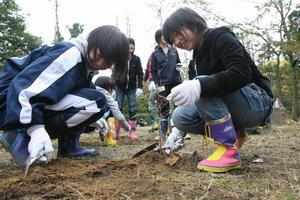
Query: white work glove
<point>179,67</point>
<point>139,92</point>
<point>39,141</point>
<point>102,126</point>
<point>174,141</point>
<point>185,94</point>
<point>151,86</point>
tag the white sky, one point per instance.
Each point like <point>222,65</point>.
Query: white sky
<point>40,17</point>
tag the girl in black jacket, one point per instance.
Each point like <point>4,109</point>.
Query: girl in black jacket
<point>130,84</point>
<point>228,95</point>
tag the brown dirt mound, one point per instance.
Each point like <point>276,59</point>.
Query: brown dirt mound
<point>96,179</point>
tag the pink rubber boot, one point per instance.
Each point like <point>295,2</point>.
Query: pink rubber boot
<point>118,128</point>
<point>132,133</point>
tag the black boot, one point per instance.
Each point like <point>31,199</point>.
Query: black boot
<point>69,146</point>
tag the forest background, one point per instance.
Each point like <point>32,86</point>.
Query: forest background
<point>272,37</point>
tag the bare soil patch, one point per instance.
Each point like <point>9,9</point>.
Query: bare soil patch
<point>115,175</point>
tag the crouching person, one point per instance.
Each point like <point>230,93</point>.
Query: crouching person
<point>48,94</point>
<point>106,85</point>
<point>228,95</point>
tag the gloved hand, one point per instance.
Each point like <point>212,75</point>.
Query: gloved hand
<point>186,94</point>
<point>139,92</point>
<point>174,141</point>
<point>103,126</point>
<point>151,86</point>
<point>39,141</point>
<point>178,66</point>
<point>126,126</point>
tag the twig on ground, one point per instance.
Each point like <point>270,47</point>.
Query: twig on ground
<point>76,191</point>
<point>207,189</point>
<point>127,197</point>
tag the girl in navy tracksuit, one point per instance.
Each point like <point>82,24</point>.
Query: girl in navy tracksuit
<point>165,76</point>
<point>48,93</point>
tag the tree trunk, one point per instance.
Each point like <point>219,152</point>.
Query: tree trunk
<point>295,94</point>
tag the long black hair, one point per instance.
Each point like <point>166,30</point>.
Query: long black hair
<point>183,17</point>
<point>158,35</point>
<point>113,46</point>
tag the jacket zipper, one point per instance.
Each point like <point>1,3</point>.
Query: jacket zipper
<point>195,67</point>
<point>128,75</point>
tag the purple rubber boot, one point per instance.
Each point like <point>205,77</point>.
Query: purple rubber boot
<point>16,143</point>
<point>223,132</point>
<point>70,147</point>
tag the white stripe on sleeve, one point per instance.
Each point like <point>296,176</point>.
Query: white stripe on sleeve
<point>75,101</point>
<point>52,73</point>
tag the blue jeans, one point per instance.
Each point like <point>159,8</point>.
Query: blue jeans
<point>249,107</point>
<point>131,97</point>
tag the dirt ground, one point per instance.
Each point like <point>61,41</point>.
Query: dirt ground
<point>270,170</point>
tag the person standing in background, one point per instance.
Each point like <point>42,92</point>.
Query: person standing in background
<point>165,76</point>
<point>152,100</point>
<point>130,84</point>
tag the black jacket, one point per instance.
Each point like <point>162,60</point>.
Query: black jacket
<point>133,78</point>
<point>228,65</point>
<point>163,67</point>
<point>191,70</point>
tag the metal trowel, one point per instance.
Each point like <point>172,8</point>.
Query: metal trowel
<point>32,160</point>
<point>147,149</point>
